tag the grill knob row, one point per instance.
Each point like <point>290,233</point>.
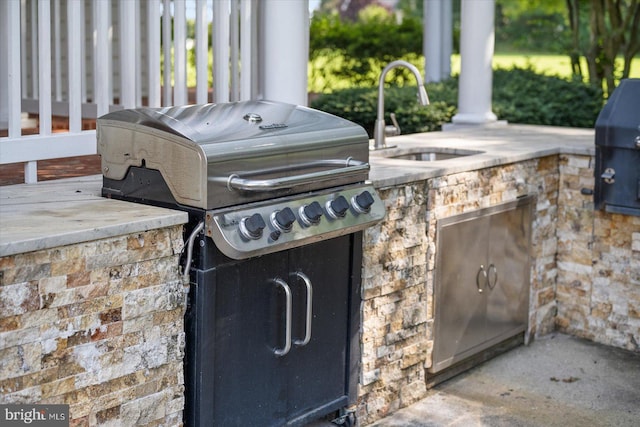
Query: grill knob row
<point>251,227</point>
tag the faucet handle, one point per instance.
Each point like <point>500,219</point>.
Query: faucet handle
<point>392,130</point>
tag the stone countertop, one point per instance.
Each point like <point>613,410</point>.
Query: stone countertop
<point>67,211</point>
<point>499,144</point>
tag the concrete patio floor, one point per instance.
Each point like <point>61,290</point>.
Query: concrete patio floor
<point>557,380</point>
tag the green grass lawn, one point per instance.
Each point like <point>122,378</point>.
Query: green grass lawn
<point>557,65</point>
<point>326,72</point>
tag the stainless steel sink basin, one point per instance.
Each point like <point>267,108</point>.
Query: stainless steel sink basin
<point>427,154</point>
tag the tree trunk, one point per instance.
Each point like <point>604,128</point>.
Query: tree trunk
<point>574,23</point>
<point>594,54</point>
<point>632,47</point>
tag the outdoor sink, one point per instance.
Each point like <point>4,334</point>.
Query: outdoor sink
<point>427,154</point>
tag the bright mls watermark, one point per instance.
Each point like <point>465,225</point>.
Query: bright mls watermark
<point>34,415</point>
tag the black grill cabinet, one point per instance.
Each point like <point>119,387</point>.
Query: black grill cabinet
<point>617,170</point>
<point>278,198</point>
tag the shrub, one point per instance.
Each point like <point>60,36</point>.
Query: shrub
<point>355,52</point>
<point>360,105</point>
<point>522,96</point>
<point>519,96</point>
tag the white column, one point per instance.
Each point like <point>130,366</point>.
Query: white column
<point>447,38</point>
<point>476,54</point>
<point>284,50</point>
<point>432,40</point>
<point>437,39</point>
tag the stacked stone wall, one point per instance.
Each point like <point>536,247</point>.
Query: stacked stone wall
<point>98,326</point>
<point>598,289</point>
<point>399,270</point>
<point>394,330</point>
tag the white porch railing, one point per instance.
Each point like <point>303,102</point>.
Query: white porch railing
<point>79,59</point>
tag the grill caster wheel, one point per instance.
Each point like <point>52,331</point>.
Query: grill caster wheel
<point>346,423</point>
<point>346,420</point>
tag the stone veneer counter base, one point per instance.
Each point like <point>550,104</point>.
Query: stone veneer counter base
<point>92,300</point>
<point>585,264</point>
<point>91,304</point>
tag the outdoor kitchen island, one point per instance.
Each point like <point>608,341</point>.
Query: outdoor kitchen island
<point>584,273</point>
<point>93,319</point>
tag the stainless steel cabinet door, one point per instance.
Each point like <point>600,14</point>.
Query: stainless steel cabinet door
<point>507,290</point>
<point>459,301</point>
<point>482,280</point>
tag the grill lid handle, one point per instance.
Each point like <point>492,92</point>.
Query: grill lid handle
<point>352,167</point>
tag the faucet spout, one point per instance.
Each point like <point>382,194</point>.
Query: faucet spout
<point>379,132</point>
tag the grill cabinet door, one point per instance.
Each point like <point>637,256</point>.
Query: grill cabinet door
<point>241,322</point>
<point>318,370</point>
<point>249,326</point>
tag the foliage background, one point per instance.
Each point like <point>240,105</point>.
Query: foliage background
<point>348,53</point>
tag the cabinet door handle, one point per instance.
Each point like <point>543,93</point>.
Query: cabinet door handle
<point>483,273</point>
<point>309,314</point>
<point>490,283</point>
<point>287,328</point>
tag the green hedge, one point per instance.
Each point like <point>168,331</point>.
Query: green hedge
<point>519,96</point>
<point>355,52</point>
<point>522,96</point>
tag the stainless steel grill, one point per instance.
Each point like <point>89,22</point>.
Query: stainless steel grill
<point>278,199</point>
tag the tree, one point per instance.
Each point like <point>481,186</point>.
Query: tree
<point>613,31</point>
<point>347,9</point>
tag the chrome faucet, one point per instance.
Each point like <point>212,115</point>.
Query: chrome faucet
<point>380,130</point>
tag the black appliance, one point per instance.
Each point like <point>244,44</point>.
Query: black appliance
<point>277,200</point>
<point>617,169</point>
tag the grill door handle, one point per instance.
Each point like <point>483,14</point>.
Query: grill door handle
<point>309,314</point>
<point>492,271</point>
<point>481,272</point>
<point>352,167</point>
<point>287,329</point>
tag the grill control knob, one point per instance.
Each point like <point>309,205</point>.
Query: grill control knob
<point>337,208</point>
<point>251,226</point>
<point>362,202</point>
<point>310,214</point>
<point>284,219</point>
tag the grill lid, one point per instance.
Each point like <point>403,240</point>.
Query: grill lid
<point>218,155</point>
<point>618,124</point>
<point>617,171</point>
